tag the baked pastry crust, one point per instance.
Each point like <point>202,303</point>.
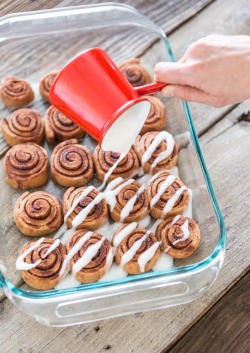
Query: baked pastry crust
<point>100,262</point>
<point>16,92</point>
<point>38,213</point>
<point>58,127</point>
<point>45,275</point>
<point>24,125</point>
<point>135,72</point>
<point>157,118</point>
<point>46,83</point>
<point>26,166</point>
<point>170,233</point>
<point>71,164</point>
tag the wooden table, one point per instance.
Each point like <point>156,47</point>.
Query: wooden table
<point>219,321</point>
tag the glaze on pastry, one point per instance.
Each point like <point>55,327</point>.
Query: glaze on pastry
<point>26,166</point>
<point>40,263</point>
<point>168,196</point>
<point>135,72</point>
<point>38,213</point>
<point>127,200</point>
<point>24,125</point>
<point>104,162</point>
<point>157,118</point>
<point>71,164</point>
<point>93,259</point>
<point>16,92</point>
<point>137,249</point>
<point>90,211</point>
<point>58,127</point>
<point>180,236</point>
<point>156,151</point>
<point>45,84</point>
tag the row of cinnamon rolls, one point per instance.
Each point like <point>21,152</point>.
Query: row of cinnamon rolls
<point>72,164</point>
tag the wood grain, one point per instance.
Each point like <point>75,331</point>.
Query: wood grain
<point>226,327</point>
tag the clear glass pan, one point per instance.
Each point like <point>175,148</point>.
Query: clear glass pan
<point>32,44</point>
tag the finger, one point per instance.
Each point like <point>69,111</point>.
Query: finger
<point>173,73</point>
<point>190,94</point>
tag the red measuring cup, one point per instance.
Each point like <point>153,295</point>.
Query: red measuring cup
<point>91,90</point>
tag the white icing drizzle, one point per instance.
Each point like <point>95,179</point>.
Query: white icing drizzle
<point>188,212</point>
<point>109,260</point>
<point>87,256</point>
<point>186,233</point>
<point>123,233</point>
<point>162,136</point>
<point>64,227</point>
<point>147,256</point>
<point>170,204</point>
<point>132,251</point>
<point>111,193</point>
<point>68,282</point>
<point>108,230</point>
<point>175,219</point>
<point>107,175</point>
<point>145,222</point>
<point>67,235</point>
<point>165,262</point>
<point>155,225</point>
<point>167,249</point>
<point>85,211</point>
<point>115,272</point>
<point>21,265</point>
<point>169,181</point>
<point>72,252</point>
<point>130,204</point>
<point>51,248</point>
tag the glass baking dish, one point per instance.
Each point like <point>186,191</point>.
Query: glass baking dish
<point>33,44</point>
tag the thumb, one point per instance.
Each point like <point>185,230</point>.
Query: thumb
<point>189,94</point>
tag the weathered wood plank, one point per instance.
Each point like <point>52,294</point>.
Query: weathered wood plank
<point>154,331</point>
<point>228,319</point>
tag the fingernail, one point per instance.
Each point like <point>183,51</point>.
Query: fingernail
<point>168,91</point>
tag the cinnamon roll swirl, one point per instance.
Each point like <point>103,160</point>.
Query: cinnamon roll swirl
<point>16,92</point>
<point>91,210</point>
<point>24,125</point>
<point>58,127</point>
<point>26,166</point>
<point>40,263</point>
<point>38,213</point>
<point>104,161</point>
<point>45,84</point>
<point>135,72</point>
<point>131,202</point>
<point>71,164</point>
<point>180,236</point>
<point>157,118</point>
<point>93,259</point>
<point>156,151</point>
<point>137,249</point>
<point>168,196</point>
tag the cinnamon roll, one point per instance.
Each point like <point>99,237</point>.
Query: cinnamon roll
<point>45,84</point>
<point>40,263</point>
<point>104,162</point>
<point>137,249</point>
<point>24,125</point>
<point>58,127</point>
<point>86,208</point>
<point>180,236</point>
<point>131,201</point>
<point>71,164</point>
<point>157,118</point>
<point>156,151</point>
<point>38,213</point>
<point>135,72</point>
<point>16,92</point>
<point>91,255</point>
<point>167,194</point>
<point>26,166</point>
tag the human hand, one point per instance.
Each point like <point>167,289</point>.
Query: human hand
<point>215,70</point>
